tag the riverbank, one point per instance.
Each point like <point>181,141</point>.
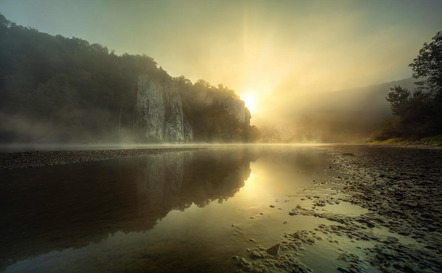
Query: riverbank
<point>16,160</point>
<point>435,141</point>
<point>382,212</point>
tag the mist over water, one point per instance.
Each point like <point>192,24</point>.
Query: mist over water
<point>25,147</point>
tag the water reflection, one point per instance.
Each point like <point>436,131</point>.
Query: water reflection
<point>69,207</point>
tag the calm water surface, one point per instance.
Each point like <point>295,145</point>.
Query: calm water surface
<point>173,212</point>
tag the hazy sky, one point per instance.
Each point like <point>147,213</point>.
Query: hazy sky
<point>273,51</point>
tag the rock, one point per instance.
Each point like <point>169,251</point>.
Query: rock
<point>274,250</point>
<point>244,262</point>
<point>256,255</point>
<point>402,198</point>
<point>160,112</point>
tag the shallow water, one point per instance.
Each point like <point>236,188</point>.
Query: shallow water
<point>173,212</point>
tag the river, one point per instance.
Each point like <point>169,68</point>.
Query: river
<point>219,210</point>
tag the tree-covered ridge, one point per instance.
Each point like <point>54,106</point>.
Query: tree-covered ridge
<point>61,89</point>
<point>418,113</point>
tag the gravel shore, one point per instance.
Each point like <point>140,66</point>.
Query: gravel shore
<point>50,158</point>
<point>398,191</point>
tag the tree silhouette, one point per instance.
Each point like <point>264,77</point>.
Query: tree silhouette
<point>419,113</point>
<point>427,66</point>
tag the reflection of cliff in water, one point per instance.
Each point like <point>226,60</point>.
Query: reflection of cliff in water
<point>55,208</point>
<point>177,180</point>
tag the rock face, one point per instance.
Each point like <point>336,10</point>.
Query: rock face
<point>237,108</point>
<point>160,112</point>
<point>234,106</point>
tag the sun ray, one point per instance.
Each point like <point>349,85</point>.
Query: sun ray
<point>249,101</point>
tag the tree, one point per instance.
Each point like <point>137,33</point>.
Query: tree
<point>427,66</point>
<point>398,97</point>
<point>86,93</point>
<point>418,113</point>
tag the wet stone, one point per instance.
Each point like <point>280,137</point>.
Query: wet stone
<point>256,255</point>
<point>274,250</point>
<point>399,188</point>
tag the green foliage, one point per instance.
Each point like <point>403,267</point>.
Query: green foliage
<point>61,89</point>
<point>398,97</point>
<point>396,140</point>
<point>419,113</point>
<point>434,140</point>
<point>76,87</point>
<point>253,134</point>
<point>210,121</point>
<point>427,66</point>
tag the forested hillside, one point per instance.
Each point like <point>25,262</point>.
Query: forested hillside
<point>57,89</point>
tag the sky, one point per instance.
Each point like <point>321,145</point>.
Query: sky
<point>271,52</point>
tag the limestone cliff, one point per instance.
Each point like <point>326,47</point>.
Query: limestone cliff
<point>160,112</point>
<point>168,112</point>
<point>235,106</point>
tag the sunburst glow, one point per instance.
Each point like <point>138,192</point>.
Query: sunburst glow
<point>249,101</point>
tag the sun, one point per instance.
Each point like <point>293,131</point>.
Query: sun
<point>249,101</point>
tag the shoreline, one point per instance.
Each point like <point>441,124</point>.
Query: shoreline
<point>33,159</point>
<point>432,141</point>
<point>380,213</point>
<point>41,158</point>
<point>408,145</point>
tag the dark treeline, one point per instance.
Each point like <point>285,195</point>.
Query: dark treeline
<point>57,89</point>
<point>212,122</point>
<point>418,113</point>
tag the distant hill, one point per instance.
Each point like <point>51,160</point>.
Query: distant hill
<point>338,116</point>
<point>369,98</point>
<point>347,115</point>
